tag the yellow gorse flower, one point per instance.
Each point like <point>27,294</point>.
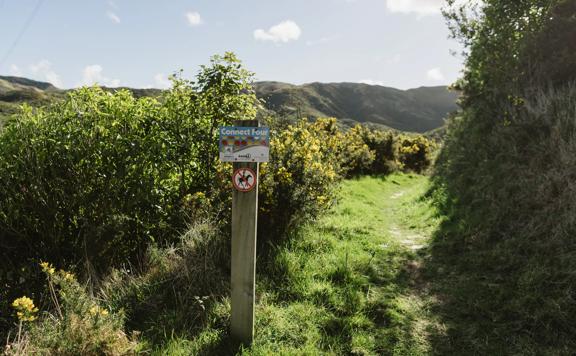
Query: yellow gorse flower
<point>47,268</point>
<point>67,275</point>
<point>199,195</point>
<point>97,311</point>
<point>25,309</point>
<point>284,176</point>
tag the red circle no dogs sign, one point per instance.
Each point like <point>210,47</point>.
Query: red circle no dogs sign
<point>244,179</point>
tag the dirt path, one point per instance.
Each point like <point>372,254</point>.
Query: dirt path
<point>400,206</point>
<point>409,223</point>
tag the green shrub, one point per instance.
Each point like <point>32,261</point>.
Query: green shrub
<point>91,181</point>
<point>301,178</point>
<point>512,224</point>
<point>357,156</point>
<point>100,175</point>
<point>384,145</point>
<point>415,153</point>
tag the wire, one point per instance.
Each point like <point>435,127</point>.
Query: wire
<point>21,33</point>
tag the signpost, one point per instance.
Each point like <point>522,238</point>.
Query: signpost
<point>245,144</point>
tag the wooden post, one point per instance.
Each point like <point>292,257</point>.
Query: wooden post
<point>244,225</point>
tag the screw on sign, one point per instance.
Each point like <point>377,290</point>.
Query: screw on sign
<point>244,179</point>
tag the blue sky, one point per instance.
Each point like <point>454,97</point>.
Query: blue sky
<point>138,43</point>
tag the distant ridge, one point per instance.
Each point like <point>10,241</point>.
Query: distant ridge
<point>416,110</point>
<point>25,82</point>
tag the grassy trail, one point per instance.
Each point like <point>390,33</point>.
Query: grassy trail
<point>347,284</point>
<point>350,283</point>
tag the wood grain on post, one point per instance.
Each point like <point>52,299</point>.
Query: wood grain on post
<point>243,273</point>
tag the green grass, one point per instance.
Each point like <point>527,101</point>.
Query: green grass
<point>346,284</point>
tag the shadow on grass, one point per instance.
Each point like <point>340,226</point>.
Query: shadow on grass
<point>179,301</point>
<point>482,302</point>
<point>461,298</point>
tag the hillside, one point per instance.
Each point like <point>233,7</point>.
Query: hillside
<point>418,110</point>
<point>15,91</point>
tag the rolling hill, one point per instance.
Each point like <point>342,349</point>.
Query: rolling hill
<point>15,91</point>
<point>417,110</point>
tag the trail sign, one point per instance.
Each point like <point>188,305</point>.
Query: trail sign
<point>244,144</point>
<point>244,179</point>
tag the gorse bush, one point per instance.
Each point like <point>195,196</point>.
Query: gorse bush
<point>385,147</point>
<point>357,156</point>
<point>415,153</point>
<point>372,151</point>
<point>300,180</point>
<point>385,152</point>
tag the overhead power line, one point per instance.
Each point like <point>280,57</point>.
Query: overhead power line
<point>22,31</point>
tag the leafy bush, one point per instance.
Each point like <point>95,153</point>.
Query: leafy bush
<point>91,181</point>
<point>415,153</point>
<point>357,156</point>
<point>301,178</point>
<point>100,175</point>
<point>384,145</point>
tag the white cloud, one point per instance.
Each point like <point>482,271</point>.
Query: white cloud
<point>92,74</point>
<point>162,81</point>
<point>113,17</point>
<point>15,70</point>
<point>420,7</point>
<point>372,82</point>
<point>285,31</point>
<point>43,71</point>
<point>194,18</point>
<point>436,75</point>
